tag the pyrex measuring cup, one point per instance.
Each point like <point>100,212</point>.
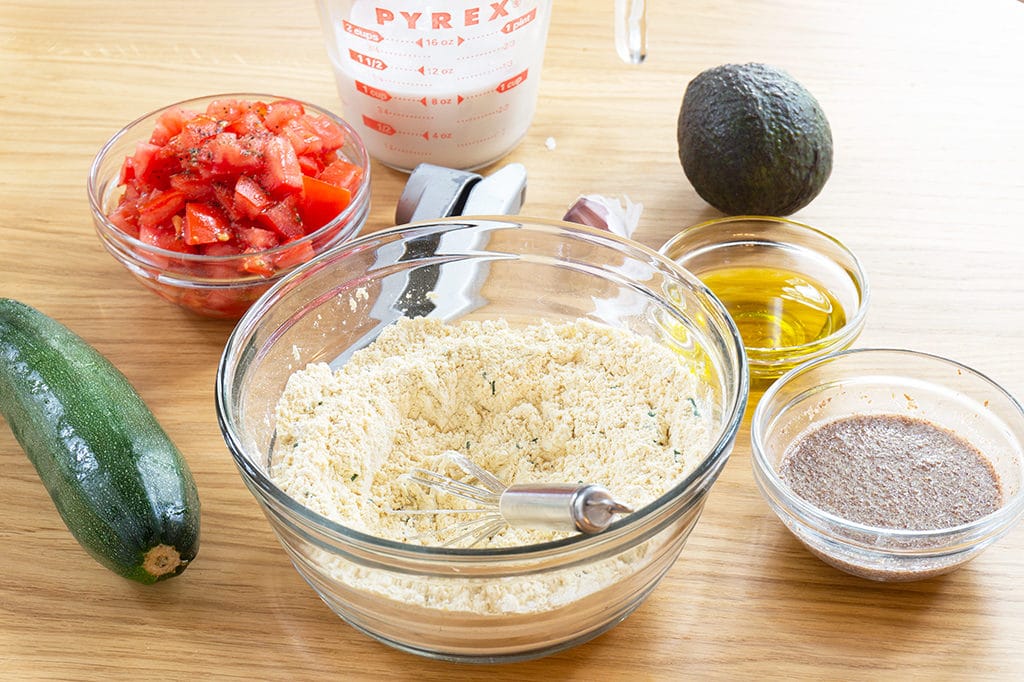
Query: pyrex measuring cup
<point>450,82</point>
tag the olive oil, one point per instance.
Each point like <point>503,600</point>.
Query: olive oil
<point>776,309</point>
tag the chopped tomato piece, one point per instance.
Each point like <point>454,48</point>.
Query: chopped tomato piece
<point>227,110</point>
<point>311,165</point>
<point>150,166</point>
<point>235,180</point>
<point>341,173</point>
<point>280,112</point>
<point>284,219</point>
<point>250,199</point>
<point>283,174</point>
<point>169,124</point>
<point>194,187</point>
<point>158,207</point>
<point>302,137</point>
<point>162,237</point>
<point>296,255</point>
<point>220,270</point>
<point>204,224</point>
<point>220,249</point>
<point>255,239</point>
<point>228,157</point>
<point>126,218</point>
<point>322,202</point>
<point>224,196</point>
<point>259,265</point>
<point>248,123</point>
<point>330,133</point>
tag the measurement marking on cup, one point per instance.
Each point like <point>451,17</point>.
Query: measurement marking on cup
<point>366,60</point>
<point>470,143</point>
<point>437,71</point>
<point>360,32</point>
<point>428,135</point>
<point>397,55</point>
<point>440,42</point>
<point>479,55</point>
<point>512,82</point>
<point>414,117</point>
<point>441,101</point>
<point>379,126</point>
<point>370,91</point>
<point>517,24</point>
<point>480,117</point>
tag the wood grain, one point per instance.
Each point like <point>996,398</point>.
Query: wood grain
<point>925,104</point>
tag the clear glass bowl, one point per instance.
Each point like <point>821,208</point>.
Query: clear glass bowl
<point>897,382</point>
<point>213,286</point>
<point>421,599</point>
<point>763,243</point>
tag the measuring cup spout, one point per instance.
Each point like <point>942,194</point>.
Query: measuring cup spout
<point>631,30</point>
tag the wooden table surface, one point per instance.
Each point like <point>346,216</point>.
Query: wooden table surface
<point>924,100</point>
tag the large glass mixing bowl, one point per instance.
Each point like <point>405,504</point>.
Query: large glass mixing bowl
<point>480,605</point>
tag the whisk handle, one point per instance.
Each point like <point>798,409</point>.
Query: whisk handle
<point>557,506</point>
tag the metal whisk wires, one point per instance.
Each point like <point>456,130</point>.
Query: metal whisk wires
<point>584,508</point>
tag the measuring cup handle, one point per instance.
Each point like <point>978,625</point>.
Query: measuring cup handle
<point>631,30</point>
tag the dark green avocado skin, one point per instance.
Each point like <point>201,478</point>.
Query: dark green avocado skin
<point>753,141</point>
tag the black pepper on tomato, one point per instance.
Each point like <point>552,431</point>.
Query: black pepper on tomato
<point>240,178</point>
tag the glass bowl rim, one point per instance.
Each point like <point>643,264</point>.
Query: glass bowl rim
<point>711,465</point>
<point>810,515</point>
<point>836,339</point>
<point>112,231</point>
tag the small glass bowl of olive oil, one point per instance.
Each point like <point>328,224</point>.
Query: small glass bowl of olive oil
<point>794,292</point>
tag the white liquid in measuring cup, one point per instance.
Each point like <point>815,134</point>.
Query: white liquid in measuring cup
<point>448,83</point>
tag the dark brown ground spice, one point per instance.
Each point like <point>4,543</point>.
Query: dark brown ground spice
<point>892,471</point>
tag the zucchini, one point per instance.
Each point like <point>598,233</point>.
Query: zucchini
<point>121,486</point>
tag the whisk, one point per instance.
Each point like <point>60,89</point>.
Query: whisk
<point>586,508</point>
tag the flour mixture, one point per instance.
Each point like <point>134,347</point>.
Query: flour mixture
<point>577,402</point>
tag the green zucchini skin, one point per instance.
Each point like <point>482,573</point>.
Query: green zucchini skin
<point>122,487</point>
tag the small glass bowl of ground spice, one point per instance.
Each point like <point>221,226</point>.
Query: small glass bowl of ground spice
<point>891,465</point>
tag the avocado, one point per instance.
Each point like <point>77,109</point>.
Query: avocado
<point>753,141</point>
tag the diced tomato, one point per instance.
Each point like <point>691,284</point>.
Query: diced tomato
<point>283,175</point>
<point>296,255</point>
<point>341,173</point>
<point>159,206</point>
<point>150,166</point>
<point>311,165</point>
<point>235,181</point>
<point>220,270</point>
<point>127,173</point>
<point>248,123</point>
<point>330,133</point>
<point>205,224</point>
<point>284,219</point>
<point>126,217</point>
<point>224,195</point>
<point>257,264</point>
<point>194,187</point>
<point>162,237</point>
<point>303,138</point>
<point>280,112</point>
<point>250,199</point>
<point>228,110</point>
<point>255,239</point>
<point>229,158</point>
<point>169,124</point>
<point>220,249</point>
<point>322,202</point>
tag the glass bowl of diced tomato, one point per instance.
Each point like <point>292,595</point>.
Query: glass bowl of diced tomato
<point>211,200</point>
